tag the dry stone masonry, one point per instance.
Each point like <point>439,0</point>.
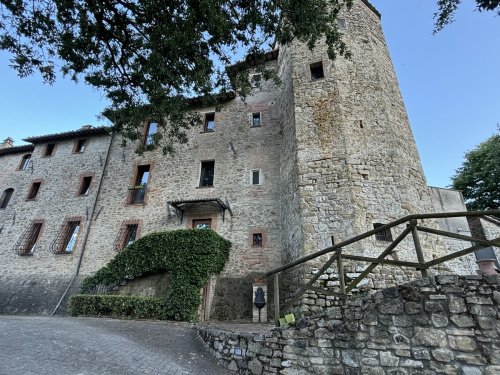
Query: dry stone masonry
<point>441,325</point>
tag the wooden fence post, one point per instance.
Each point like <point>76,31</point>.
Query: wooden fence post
<point>276,298</point>
<point>418,247</point>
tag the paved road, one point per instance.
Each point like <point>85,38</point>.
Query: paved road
<point>86,346</point>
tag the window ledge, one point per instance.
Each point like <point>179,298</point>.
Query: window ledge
<point>204,187</point>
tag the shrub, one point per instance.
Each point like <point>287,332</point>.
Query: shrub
<point>191,256</point>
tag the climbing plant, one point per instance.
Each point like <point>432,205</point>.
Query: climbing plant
<point>191,256</point>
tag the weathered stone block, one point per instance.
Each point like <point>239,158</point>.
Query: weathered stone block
<point>462,321</point>
<point>429,337</point>
<point>388,359</point>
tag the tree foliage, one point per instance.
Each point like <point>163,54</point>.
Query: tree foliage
<point>148,57</point>
<point>479,176</point>
<point>447,8</point>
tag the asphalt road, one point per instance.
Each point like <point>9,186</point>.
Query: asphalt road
<point>87,346</point>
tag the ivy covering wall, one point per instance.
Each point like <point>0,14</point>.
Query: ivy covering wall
<point>190,256</point>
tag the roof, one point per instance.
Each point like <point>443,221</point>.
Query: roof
<point>255,59</point>
<point>83,132</point>
<point>16,149</point>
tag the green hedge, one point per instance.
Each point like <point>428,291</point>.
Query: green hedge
<point>119,306</point>
<point>191,256</point>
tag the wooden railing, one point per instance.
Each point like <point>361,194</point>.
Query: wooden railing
<point>339,256</point>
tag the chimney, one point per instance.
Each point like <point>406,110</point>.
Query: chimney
<point>7,142</point>
<point>86,127</point>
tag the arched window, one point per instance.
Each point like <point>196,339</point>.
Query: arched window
<point>25,162</point>
<point>4,201</point>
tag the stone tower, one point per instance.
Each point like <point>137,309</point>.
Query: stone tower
<point>349,159</point>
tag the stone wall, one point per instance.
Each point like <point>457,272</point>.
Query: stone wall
<point>442,325</point>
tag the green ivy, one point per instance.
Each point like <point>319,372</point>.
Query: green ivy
<point>191,256</point>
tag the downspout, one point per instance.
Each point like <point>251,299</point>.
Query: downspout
<point>78,266</point>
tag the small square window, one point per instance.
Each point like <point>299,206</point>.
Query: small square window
<point>209,125</point>
<point>257,239</point>
<point>207,173</point>
<point>255,176</point>
<point>341,24</point>
<point>152,129</point>
<point>35,188</point>
<point>80,146</point>
<point>316,71</point>
<point>256,120</point>
<point>49,149</point>
<point>85,185</point>
<point>256,80</point>
<point>384,235</point>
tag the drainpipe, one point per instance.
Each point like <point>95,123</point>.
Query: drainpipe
<point>89,226</point>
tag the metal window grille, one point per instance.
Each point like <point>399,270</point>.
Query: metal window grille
<point>126,236</point>
<point>27,243</point>
<point>65,241</point>
<point>384,235</point>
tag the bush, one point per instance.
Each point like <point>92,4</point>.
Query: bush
<point>119,306</point>
<point>191,256</point>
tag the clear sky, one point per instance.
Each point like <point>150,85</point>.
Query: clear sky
<point>450,83</point>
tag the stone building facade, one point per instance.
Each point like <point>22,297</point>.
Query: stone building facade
<point>328,152</point>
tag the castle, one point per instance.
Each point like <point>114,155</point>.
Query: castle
<point>328,152</point>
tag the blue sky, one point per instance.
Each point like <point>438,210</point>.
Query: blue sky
<point>450,83</point>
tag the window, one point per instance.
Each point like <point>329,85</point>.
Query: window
<point>256,120</point>
<point>257,239</point>
<point>341,24</point>
<point>151,130</point>
<point>255,176</point>
<point>207,173</point>
<point>202,224</point>
<point>316,71</point>
<point>80,146</point>
<point>6,195</point>
<point>35,188</point>
<point>65,242</point>
<point>256,80</point>
<point>138,191</point>
<point>25,162</point>
<point>209,122</point>
<point>27,243</point>
<point>129,232</point>
<point>49,150</point>
<point>85,185</point>
<point>384,235</point>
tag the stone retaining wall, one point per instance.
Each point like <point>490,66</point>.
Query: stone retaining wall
<point>441,325</point>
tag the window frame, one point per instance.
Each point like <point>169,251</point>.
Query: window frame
<point>6,197</point>
<point>26,245</point>
<point>202,174</point>
<point>149,138</point>
<point>81,185</point>
<point>67,235</point>
<point>120,241</point>
<point>315,65</point>
<point>80,146</point>
<point>137,181</point>
<point>259,237</point>
<point>252,171</point>
<point>34,190</point>
<point>259,115</point>
<point>206,122</point>
<point>25,162</point>
<point>51,147</point>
